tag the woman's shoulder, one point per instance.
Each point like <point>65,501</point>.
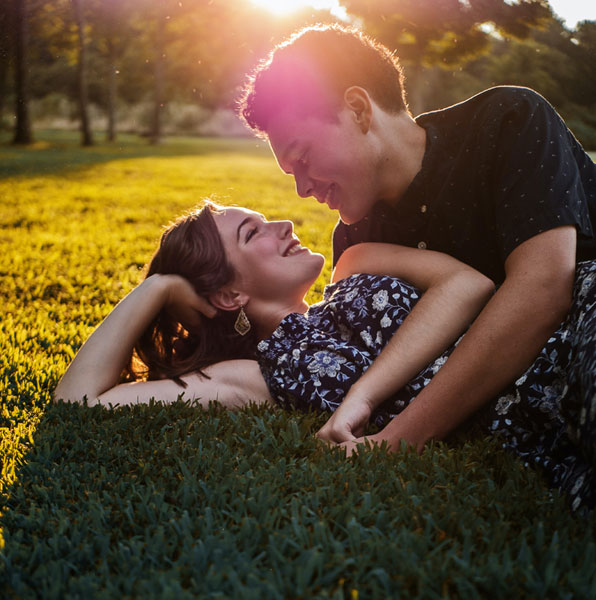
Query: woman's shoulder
<point>364,283</point>
<point>362,300</point>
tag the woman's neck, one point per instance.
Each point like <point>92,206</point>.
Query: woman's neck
<point>266,317</point>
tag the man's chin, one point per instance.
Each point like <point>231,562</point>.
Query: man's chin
<point>354,216</point>
<point>348,219</point>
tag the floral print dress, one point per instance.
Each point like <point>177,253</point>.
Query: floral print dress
<point>547,417</point>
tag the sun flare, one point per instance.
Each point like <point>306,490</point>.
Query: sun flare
<point>282,7</point>
<point>286,7</point>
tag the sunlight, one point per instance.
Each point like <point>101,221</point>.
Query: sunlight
<point>286,7</point>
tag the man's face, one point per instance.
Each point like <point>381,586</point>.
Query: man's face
<point>332,160</point>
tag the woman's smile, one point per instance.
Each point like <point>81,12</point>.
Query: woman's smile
<point>294,248</point>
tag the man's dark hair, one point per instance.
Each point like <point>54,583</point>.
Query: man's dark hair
<point>309,73</point>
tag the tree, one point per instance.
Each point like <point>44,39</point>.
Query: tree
<point>79,15</point>
<point>554,61</point>
<point>112,32</point>
<point>5,47</point>
<point>156,20</point>
<point>22,134</point>
<point>443,32</point>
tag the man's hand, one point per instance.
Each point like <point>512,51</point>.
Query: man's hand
<point>185,305</point>
<point>349,421</point>
<point>352,446</point>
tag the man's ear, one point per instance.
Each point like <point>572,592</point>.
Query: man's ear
<point>228,299</point>
<point>359,102</point>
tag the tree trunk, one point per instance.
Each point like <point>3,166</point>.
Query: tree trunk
<point>22,134</point>
<point>86,137</point>
<point>155,137</point>
<point>3,86</point>
<point>112,92</point>
<point>5,47</point>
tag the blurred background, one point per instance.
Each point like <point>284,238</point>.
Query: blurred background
<point>175,67</point>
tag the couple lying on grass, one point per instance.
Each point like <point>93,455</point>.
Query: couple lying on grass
<point>497,182</point>
<point>221,315</point>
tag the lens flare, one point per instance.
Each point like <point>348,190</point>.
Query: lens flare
<point>286,7</point>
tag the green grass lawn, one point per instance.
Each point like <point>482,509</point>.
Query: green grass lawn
<point>179,502</point>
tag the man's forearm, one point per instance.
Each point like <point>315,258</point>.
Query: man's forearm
<point>439,317</point>
<point>500,345</point>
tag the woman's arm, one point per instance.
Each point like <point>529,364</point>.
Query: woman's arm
<point>95,371</point>
<point>454,294</point>
<point>233,383</point>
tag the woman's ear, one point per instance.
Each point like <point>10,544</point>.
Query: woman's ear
<point>358,101</point>
<point>228,299</point>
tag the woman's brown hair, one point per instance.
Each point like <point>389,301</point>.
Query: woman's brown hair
<point>193,249</point>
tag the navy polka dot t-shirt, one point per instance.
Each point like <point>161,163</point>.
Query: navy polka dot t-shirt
<point>498,169</point>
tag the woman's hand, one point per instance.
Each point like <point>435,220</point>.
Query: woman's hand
<point>349,421</point>
<point>184,304</point>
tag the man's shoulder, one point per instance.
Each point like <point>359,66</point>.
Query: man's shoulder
<point>493,102</point>
<point>507,93</point>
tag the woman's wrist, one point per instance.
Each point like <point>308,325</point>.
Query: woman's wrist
<point>363,393</point>
<point>160,284</point>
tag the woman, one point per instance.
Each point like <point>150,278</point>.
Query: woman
<point>256,274</point>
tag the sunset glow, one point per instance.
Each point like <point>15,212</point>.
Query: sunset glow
<point>286,7</point>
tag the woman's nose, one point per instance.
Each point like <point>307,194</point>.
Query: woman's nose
<point>284,228</point>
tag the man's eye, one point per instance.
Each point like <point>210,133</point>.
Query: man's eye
<point>251,233</point>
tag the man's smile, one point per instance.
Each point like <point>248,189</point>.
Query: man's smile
<point>329,198</point>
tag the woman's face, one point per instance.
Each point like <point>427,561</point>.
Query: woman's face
<point>269,261</point>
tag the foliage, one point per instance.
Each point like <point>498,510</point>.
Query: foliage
<point>445,31</point>
<point>554,61</point>
<point>193,51</point>
<point>150,57</point>
<point>175,501</point>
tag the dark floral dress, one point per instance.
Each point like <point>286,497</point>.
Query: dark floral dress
<point>547,417</point>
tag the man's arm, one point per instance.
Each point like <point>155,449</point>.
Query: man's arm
<point>502,342</point>
<point>454,294</point>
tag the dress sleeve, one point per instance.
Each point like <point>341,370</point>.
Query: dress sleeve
<point>314,374</point>
<point>311,362</point>
<point>537,183</point>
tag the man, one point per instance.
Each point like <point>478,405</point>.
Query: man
<point>497,181</point>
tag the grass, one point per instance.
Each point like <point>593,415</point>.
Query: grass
<point>175,501</point>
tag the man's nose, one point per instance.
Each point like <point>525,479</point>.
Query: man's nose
<point>304,185</point>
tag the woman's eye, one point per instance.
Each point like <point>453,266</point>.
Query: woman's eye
<point>251,233</point>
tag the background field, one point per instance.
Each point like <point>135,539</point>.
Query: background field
<point>173,501</point>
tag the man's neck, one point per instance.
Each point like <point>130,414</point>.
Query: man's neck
<point>402,144</point>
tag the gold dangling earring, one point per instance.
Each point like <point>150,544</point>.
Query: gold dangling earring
<point>242,324</point>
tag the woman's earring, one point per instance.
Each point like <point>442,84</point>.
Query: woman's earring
<point>242,324</point>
